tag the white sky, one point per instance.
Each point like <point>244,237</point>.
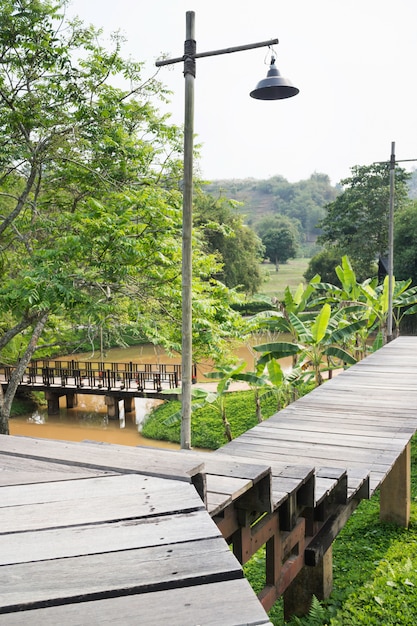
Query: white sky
<point>354,62</point>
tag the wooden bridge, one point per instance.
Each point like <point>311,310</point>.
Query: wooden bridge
<point>120,383</point>
<point>72,515</point>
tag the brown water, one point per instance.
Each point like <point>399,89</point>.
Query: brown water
<point>88,421</point>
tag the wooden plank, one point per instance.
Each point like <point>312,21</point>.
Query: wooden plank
<point>145,570</point>
<point>225,466</point>
<point>18,471</point>
<point>314,453</point>
<point>162,463</point>
<point>376,468</point>
<point>81,489</point>
<point>128,497</point>
<point>234,487</point>
<point>229,602</point>
<point>323,540</point>
<point>109,537</point>
<point>358,440</point>
<point>217,502</point>
<point>317,423</point>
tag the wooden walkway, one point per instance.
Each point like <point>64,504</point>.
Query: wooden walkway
<point>118,532</point>
<point>101,535</point>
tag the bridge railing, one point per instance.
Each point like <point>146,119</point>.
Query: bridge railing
<point>99,375</point>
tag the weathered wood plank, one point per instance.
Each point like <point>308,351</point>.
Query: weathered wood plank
<point>227,485</point>
<point>128,497</point>
<point>228,602</point>
<point>157,462</point>
<point>225,466</point>
<point>108,537</point>
<point>358,440</point>
<point>80,488</point>
<point>15,471</point>
<point>314,453</point>
<point>91,577</point>
<point>319,423</point>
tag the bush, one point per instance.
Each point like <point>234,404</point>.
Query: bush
<point>206,424</point>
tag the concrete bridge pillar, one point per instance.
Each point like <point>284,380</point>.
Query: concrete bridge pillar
<point>112,403</point>
<point>129,405</point>
<point>52,398</point>
<point>116,407</point>
<point>72,400</point>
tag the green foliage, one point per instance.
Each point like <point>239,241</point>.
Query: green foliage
<point>206,426</point>
<point>90,200</point>
<point>302,202</point>
<point>357,220</point>
<point>224,233</point>
<point>405,243</point>
<point>280,245</point>
<point>324,263</point>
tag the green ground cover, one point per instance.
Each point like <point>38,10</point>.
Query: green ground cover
<point>289,275</point>
<point>206,425</point>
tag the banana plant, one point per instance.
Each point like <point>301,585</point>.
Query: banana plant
<point>318,340</point>
<point>370,301</point>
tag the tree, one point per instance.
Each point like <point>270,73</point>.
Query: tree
<point>405,243</point>
<point>280,245</point>
<point>238,246</point>
<point>90,206</point>
<point>324,263</point>
<point>357,221</point>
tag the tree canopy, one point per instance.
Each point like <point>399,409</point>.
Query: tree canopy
<point>405,242</point>
<point>303,202</point>
<point>238,247</point>
<point>356,222</point>
<point>90,201</point>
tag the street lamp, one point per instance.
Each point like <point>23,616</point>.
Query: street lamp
<point>274,87</point>
<point>392,163</point>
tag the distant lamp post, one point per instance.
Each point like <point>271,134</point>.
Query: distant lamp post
<point>391,241</point>
<point>392,163</point>
<point>274,87</point>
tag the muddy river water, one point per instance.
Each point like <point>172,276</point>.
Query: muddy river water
<point>88,421</point>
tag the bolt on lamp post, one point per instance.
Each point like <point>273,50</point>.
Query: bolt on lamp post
<point>274,87</point>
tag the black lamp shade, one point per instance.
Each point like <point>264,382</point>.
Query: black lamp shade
<point>274,86</point>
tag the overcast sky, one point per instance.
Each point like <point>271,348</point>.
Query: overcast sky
<point>354,62</point>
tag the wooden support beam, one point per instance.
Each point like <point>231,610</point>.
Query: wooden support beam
<point>396,491</point>
<point>323,540</point>
<point>311,581</point>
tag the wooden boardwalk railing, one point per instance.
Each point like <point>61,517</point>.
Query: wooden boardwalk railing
<point>290,484</point>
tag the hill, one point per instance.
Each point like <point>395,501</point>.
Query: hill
<point>303,201</point>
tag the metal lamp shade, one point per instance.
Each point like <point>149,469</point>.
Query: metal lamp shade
<point>274,86</point>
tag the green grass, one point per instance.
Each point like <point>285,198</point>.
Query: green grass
<point>290,274</point>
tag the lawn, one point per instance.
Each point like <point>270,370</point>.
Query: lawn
<point>290,274</point>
